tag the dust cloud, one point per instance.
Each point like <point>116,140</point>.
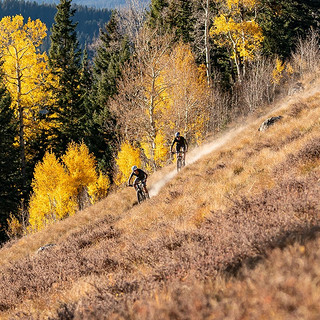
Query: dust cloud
<point>193,156</point>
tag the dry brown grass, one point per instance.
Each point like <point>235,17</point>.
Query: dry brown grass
<point>232,236</point>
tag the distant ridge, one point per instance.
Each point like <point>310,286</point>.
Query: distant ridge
<point>89,19</point>
<point>99,4</point>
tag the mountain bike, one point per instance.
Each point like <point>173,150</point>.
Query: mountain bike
<point>180,160</point>
<point>141,194</point>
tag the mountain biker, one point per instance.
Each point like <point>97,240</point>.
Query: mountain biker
<point>181,144</point>
<point>140,176</point>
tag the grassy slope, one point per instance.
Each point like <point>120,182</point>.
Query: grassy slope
<point>233,236</point>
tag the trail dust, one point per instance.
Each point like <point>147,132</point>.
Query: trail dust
<point>207,148</point>
<point>193,156</point>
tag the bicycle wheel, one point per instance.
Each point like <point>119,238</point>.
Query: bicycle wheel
<point>140,195</point>
<point>179,164</point>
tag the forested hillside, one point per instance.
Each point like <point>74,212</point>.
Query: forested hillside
<point>108,4</point>
<point>75,126</point>
<point>89,19</point>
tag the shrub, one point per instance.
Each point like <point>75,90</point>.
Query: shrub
<point>59,189</point>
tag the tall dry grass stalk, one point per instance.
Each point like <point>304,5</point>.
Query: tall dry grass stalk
<point>306,58</point>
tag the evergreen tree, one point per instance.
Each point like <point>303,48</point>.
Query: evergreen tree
<point>65,61</point>
<point>111,54</point>
<point>9,161</point>
<point>173,16</point>
<point>181,20</point>
<point>93,135</point>
<point>284,21</point>
<point>156,17</point>
<point>86,75</point>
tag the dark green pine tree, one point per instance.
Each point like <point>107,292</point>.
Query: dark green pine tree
<point>174,16</point>
<point>283,21</point>
<point>10,178</point>
<point>156,15</point>
<point>86,75</point>
<point>65,62</point>
<point>112,53</point>
<point>181,20</point>
<point>94,137</point>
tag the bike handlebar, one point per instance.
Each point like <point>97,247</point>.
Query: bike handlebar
<point>131,185</point>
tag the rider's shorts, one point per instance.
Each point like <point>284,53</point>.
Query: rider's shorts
<point>136,181</point>
<point>179,147</point>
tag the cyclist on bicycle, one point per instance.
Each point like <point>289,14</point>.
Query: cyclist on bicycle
<point>181,144</point>
<point>140,176</point>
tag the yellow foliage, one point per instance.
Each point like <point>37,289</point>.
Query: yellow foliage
<point>278,71</point>
<point>81,165</point>
<point>161,150</point>
<point>58,187</point>
<point>53,193</point>
<point>202,70</point>
<point>26,71</point>
<point>235,28</point>
<point>128,156</point>
<point>197,127</point>
<point>289,69</point>
<point>147,148</point>
<point>189,94</point>
<point>175,95</point>
<point>244,38</point>
<point>99,188</point>
<point>14,227</point>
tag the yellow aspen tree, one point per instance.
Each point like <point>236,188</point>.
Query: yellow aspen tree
<point>128,156</point>
<point>81,168</point>
<point>235,28</point>
<point>15,228</point>
<point>277,73</point>
<point>25,73</point>
<point>160,151</point>
<point>53,194</point>
<point>60,188</point>
<point>141,93</point>
<point>98,189</point>
<point>189,94</point>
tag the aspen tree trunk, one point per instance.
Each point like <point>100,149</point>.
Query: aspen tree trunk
<point>21,142</point>
<point>244,63</point>
<point>186,114</point>
<point>151,120</point>
<point>21,130</point>
<point>207,45</point>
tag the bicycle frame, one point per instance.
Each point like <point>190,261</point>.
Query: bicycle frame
<point>141,196</point>
<point>180,160</point>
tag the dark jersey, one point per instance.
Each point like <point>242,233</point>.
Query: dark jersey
<point>180,143</point>
<point>141,175</point>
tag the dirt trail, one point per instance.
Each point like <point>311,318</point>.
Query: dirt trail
<point>206,148</point>
<point>195,155</point>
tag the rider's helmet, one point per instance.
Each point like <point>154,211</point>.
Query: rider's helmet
<point>177,134</point>
<point>134,168</point>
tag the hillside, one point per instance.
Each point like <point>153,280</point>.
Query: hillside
<point>234,235</point>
